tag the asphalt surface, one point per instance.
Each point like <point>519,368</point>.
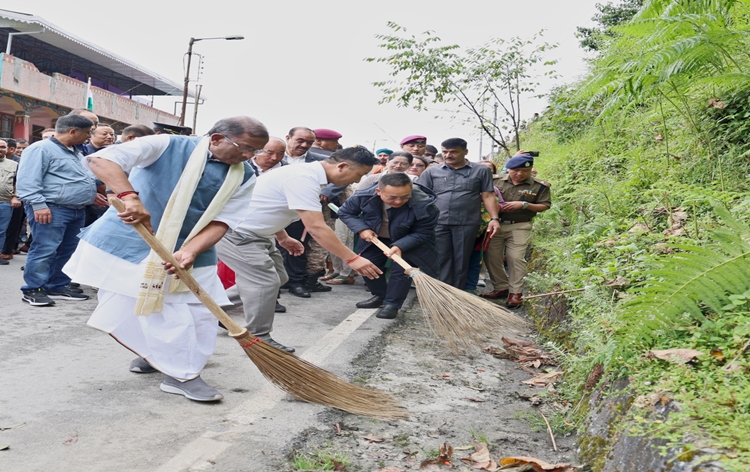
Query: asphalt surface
<point>68,401</point>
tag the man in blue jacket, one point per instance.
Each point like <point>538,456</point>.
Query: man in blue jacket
<point>403,216</point>
<point>55,187</point>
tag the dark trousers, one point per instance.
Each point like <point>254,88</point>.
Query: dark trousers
<point>296,266</point>
<point>396,289</point>
<point>455,244</point>
<point>14,230</point>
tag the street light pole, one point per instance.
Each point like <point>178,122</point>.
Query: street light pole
<point>187,70</point>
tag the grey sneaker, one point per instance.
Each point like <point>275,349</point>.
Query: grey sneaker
<point>140,365</point>
<point>68,295</point>
<point>195,389</point>
<point>4,262</point>
<point>37,297</point>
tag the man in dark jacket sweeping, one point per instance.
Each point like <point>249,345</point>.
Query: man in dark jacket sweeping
<point>403,216</point>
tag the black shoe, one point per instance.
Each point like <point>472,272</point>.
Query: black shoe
<point>285,286</point>
<point>221,325</point>
<point>75,288</point>
<point>4,262</point>
<point>299,291</point>
<point>37,297</point>
<point>318,287</point>
<point>372,302</point>
<point>278,345</point>
<point>75,284</point>
<point>279,308</point>
<point>388,312</point>
<point>68,295</point>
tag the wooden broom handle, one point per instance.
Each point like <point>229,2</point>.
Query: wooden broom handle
<point>397,259</point>
<point>166,255</point>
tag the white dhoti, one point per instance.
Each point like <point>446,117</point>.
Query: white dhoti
<point>178,340</point>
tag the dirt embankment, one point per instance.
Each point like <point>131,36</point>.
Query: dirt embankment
<point>452,399</point>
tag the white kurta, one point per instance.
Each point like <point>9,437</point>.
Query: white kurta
<point>178,340</point>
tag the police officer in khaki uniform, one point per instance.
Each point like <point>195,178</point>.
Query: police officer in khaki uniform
<point>524,196</point>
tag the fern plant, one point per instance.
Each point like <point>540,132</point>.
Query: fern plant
<point>694,279</point>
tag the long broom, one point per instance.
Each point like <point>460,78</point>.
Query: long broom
<point>290,373</point>
<point>454,315</point>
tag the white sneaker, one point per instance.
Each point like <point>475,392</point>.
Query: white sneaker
<point>195,389</point>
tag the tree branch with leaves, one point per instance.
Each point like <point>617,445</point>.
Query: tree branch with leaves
<point>499,72</point>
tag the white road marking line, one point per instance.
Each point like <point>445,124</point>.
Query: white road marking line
<point>200,453</point>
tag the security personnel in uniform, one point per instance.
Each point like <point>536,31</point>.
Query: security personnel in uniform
<point>524,196</point>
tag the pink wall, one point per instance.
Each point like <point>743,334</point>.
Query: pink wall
<point>23,78</point>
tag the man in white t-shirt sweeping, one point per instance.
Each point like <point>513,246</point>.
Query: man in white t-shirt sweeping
<point>288,194</point>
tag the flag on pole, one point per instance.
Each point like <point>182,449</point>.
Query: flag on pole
<point>89,97</point>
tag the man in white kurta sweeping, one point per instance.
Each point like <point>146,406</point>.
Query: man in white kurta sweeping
<point>190,190</point>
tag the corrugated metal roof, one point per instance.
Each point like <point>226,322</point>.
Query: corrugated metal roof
<point>62,39</point>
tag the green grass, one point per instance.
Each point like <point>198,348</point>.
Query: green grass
<point>319,460</point>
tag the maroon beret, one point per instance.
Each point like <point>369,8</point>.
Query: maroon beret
<point>413,138</point>
<point>324,133</point>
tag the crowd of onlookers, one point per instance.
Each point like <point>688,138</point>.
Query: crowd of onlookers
<point>477,204</point>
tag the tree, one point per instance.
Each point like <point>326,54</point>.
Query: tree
<point>609,16</point>
<point>498,72</point>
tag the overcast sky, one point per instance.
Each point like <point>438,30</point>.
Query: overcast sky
<point>302,62</point>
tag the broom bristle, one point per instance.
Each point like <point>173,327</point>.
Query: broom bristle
<point>460,318</point>
<point>310,383</point>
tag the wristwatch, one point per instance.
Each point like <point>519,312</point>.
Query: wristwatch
<point>494,219</point>
<point>525,205</point>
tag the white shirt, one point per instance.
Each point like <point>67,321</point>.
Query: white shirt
<point>295,160</point>
<point>260,169</point>
<point>278,196</point>
<point>143,152</point>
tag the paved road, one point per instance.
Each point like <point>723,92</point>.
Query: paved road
<point>82,410</point>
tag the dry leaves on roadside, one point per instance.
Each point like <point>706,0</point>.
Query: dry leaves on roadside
<point>481,459</point>
<point>523,352</point>
<point>542,380</point>
<point>444,458</point>
<point>521,463</point>
<point>374,439</point>
<point>675,356</point>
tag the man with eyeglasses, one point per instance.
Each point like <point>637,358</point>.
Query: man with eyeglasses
<point>190,189</point>
<point>271,157</point>
<point>403,216</point>
<point>280,197</point>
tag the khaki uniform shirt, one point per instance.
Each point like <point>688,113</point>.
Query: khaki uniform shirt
<point>531,190</point>
<point>8,170</point>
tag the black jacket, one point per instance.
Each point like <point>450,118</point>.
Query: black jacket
<point>412,226</point>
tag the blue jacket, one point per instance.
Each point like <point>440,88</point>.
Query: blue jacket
<point>51,173</point>
<point>412,226</point>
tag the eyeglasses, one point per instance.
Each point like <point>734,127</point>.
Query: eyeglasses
<point>246,149</point>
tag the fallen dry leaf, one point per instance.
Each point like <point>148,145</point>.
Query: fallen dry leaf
<point>473,399</point>
<point>542,380</point>
<point>525,353</point>
<point>481,459</point>
<point>675,356</point>
<point>718,354</point>
<point>70,441</point>
<point>639,228</point>
<point>391,469</point>
<point>716,103</point>
<point>4,447</point>
<point>339,466</point>
<point>618,282</point>
<point>444,458</point>
<point>538,465</point>
<point>445,376</point>
<point>374,439</point>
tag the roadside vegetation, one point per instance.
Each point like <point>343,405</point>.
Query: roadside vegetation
<point>649,159</point>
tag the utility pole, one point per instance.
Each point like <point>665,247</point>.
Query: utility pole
<point>495,130</point>
<point>198,88</point>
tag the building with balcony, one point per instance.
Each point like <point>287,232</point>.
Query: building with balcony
<point>44,74</point>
